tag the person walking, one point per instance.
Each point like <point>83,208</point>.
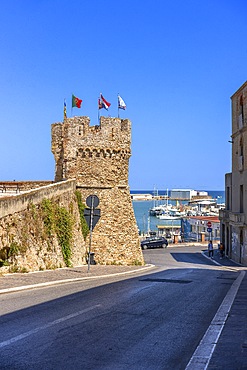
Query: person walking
<point>210,249</point>
<point>222,250</point>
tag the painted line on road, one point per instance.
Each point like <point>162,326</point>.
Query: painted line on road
<point>46,326</point>
<point>204,351</point>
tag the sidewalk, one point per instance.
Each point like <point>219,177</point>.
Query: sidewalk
<point>231,349</point>
<point>230,352</point>
<point>23,281</point>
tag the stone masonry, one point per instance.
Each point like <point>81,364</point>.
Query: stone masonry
<point>97,157</point>
<point>24,241</point>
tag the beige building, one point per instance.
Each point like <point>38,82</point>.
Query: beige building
<point>233,218</point>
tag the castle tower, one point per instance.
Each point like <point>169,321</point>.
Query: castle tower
<point>98,158</point>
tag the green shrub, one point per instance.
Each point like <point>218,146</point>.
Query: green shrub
<point>64,227</point>
<point>81,207</point>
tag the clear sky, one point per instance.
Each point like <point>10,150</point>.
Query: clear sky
<point>175,63</point>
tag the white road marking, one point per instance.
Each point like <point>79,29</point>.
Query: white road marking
<point>48,325</point>
<point>204,351</point>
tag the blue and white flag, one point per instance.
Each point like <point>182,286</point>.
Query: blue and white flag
<point>121,103</point>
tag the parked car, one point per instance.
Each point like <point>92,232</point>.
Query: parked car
<point>154,242</point>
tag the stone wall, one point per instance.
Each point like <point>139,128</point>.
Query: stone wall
<point>115,237</point>
<point>7,187</point>
<point>25,242</point>
<point>10,205</point>
<point>93,155</point>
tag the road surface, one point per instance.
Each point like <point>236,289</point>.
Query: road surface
<point>151,321</point>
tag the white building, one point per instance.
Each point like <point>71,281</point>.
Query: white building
<point>187,194</point>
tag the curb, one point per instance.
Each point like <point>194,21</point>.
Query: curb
<point>64,281</point>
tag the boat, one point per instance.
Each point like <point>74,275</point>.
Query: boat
<point>168,217</point>
<point>156,211</point>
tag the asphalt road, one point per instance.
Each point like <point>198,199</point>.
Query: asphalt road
<point>151,321</point>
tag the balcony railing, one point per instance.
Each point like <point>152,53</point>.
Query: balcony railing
<point>237,218</point>
<point>223,215</point>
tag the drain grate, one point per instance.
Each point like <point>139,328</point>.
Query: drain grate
<point>167,281</point>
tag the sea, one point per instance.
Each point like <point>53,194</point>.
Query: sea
<point>141,209</point>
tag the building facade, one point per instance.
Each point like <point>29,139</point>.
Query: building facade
<point>233,217</point>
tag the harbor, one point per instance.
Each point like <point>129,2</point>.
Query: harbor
<point>178,217</point>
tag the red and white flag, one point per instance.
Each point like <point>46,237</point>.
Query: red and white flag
<point>102,103</point>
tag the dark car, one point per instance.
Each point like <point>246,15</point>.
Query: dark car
<point>155,242</point>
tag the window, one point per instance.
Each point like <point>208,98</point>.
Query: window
<point>241,199</point>
<point>241,113</point>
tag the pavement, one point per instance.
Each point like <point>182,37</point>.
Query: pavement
<point>230,349</point>
<point>22,281</point>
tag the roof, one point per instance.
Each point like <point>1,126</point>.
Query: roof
<point>241,88</point>
<point>206,218</point>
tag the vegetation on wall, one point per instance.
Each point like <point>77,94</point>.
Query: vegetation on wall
<point>49,222</point>
<point>58,221</point>
<point>81,207</point>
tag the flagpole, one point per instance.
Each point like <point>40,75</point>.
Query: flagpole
<point>71,111</point>
<point>117,107</point>
<point>64,109</point>
<point>98,110</point>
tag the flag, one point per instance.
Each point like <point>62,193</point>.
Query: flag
<point>76,102</point>
<point>121,103</point>
<point>102,103</point>
<point>64,109</point>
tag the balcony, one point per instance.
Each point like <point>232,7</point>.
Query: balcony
<point>237,219</point>
<point>224,215</point>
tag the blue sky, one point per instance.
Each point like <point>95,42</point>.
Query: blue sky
<point>175,63</point>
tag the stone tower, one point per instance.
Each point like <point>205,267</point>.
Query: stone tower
<point>98,158</point>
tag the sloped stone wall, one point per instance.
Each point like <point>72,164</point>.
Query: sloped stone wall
<point>23,235</point>
<point>115,237</point>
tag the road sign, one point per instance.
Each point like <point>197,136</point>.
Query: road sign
<point>92,216</point>
<point>92,201</point>
<point>95,216</point>
<point>209,224</point>
<point>209,229</point>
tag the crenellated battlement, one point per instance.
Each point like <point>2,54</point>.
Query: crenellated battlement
<point>92,154</point>
<point>115,130</point>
